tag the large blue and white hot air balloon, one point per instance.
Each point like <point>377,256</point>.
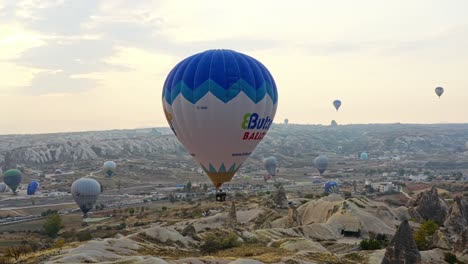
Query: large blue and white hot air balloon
<point>220,105</point>
<point>337,104</point>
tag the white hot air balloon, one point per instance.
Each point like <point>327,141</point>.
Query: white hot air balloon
<point>220,105</point>
<point>85,192</point>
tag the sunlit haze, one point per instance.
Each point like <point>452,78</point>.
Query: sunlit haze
<point>95,65</point>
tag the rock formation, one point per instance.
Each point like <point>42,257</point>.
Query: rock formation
<point>402,248</point>
<point>430,206</point>
<point>293,216</point>
<point>456,222</point>
<point>231,220</point>
<point>189,231</point>
<point>280,200</point>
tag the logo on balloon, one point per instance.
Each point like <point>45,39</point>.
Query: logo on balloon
<point>253,121</point>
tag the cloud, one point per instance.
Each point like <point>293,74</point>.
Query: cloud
<point>51,82</point>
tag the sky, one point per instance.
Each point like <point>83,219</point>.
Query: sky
<point>97,65</point>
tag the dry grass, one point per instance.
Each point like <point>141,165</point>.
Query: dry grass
<point>255,251</point>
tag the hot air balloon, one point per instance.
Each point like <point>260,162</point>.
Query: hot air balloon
<point>286,121</point>
<point>364,156</point>
<point>109,168</point>
<point>3,187</point>
<point>32,187</point>
<point>321,163</point>
<point>220,105</point>
<point>439,91</point>
<point>12,179</point>
<point>85,192</point>
<point>337,104</point>
<point>331,187</point>
<point>270,165</point>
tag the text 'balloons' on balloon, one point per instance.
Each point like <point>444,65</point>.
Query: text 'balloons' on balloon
<point>337,104</point>
<point>331,187</point>
<point>321,163</point>
<point>33,186</point>
<point>85,192</point>
<point>270,164</point>
<point>220,105</point>
<point>12,178</point>
<point>109,168</point>
<point>439,91</point>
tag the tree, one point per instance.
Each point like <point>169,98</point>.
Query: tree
<point>427,229</point>
<point>131,210</point>
<point>53,225</point>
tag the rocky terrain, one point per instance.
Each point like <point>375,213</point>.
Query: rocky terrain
<point>287,142</point>
<point>261,229</point>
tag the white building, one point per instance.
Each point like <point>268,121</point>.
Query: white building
<point>384,187</point>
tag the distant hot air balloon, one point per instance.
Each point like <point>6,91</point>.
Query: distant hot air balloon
<point>286,121</point>
<point>439,91</point>
<point>32,187</point>
<point>331,187</point>
<point>12,179</point>
<point>220,105</point>
<point>85,192</point>
<point>3,187</point>
<point>321,163</point>
<point>109,168</point>
<point>333,123</point>
<point>270,164</point>
<point>364,156</point>
<point>337,104</point>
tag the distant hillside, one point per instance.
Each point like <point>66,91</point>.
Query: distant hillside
<point>287,141</point>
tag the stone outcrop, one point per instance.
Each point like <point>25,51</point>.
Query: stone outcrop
<point>456,222</point>
<point>430,206</point>
<point>279,199</point>
<point>293,219</point>
<point>402,248</point>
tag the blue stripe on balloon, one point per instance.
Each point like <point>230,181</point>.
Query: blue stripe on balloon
<point>224,95</point>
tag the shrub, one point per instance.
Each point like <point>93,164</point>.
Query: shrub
<point>216,241</point>
<point>369,244</point>
<point>59,243</point>
<point>84,235</point>
<point>421,236</point>
<point>450,258</point>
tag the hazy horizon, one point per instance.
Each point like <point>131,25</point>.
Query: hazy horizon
<point>73,66</point>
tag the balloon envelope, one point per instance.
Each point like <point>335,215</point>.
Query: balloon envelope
<point>337,104</point>
<point>109,167</point>
<point>286,121</point>
<point>270,165</point>
<point>439,91</point>
<point>85,192</point>
<point>3,187</point>
<point>364,156</point>
<point>12,179</point>
<point>32,187</point>
<point>331,187</point>
<point>220,104</point>
<point>321,163</point>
